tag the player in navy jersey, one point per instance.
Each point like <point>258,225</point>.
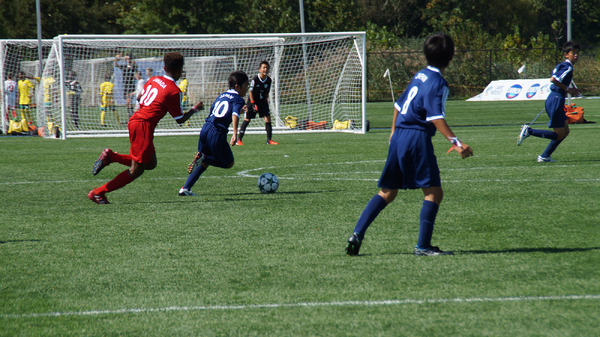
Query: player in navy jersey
<point>258,102</point>
<point>213,149</point>
<point>411,162</point>
<point>562,75</point>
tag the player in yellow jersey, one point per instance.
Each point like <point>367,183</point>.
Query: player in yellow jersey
<point>25,93</point>
<point>47,83</point>
<point>107,100</point>
<point>183,86</point>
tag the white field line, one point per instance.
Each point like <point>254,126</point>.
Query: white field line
<point>342,176</point>
<point>304,305</point>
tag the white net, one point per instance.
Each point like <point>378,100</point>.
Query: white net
<point>318,79</point>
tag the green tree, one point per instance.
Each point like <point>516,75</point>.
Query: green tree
<point>58,17</point>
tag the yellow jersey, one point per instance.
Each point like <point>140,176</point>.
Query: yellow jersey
<point>183,86</point>
<point>48,81</point>
<point>25,91</point>
<point>106,92</point>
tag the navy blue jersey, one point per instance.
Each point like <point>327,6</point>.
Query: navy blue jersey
<point>260,89</point>
<point>423,101</point>
<point>224,107</point>
<point>563,72</point>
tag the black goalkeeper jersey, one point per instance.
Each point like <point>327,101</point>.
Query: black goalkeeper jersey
<point>260,89</point>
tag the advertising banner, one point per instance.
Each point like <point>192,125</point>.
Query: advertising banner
<point>515,90</point>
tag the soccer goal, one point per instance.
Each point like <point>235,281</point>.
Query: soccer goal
<point>319,79</point>
<point>19,56</point>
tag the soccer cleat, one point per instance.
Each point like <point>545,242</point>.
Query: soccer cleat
<point>184,192</point>
<point>239,143</point>
<point>523,134</point>
<point>541,159</point>
<point>198,158</point>
<point>354,243</point>
<point>272,142</point>
<point>98,198</point>
<point>104,160</point>
<point>431,251</point>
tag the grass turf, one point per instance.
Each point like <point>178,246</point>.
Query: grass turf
<point>233,261</point>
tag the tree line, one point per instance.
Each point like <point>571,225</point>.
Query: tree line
<point>389,24</point>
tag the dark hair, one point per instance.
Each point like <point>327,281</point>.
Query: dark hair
<point>439,50</point>
<point>264,62</point>
<point>173,61</point>
<point>237,78</point>
<point>570,46</point>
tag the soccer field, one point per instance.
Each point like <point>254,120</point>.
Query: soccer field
<point>235,262</point>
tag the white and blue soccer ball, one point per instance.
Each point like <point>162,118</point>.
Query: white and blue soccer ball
<point>268,183</point>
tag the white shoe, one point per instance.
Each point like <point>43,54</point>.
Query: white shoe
<point>541,159</point>
<point>523,134</point>
<point>184,192</point>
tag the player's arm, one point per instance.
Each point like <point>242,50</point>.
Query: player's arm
<point>235,119</point>
<point>252,103</point>
<point>190,113</point>
<point>393,124</point>
<point>463,149</point>
<point>571,91</point>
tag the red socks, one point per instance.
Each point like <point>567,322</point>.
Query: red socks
<point>123,159</point>
<point>119,181</point>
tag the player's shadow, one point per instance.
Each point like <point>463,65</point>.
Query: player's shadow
<point>18,241</point>
<point>548,250</point>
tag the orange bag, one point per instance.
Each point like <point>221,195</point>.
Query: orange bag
<point>574,114</point>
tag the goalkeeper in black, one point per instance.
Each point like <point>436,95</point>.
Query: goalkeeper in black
<point>258,102</point>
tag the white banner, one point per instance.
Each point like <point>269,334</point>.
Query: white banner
<point>515,90</point>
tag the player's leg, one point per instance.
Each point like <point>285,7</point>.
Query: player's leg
<point>103,116</point>
<point>562,134</point>
<point>558,122</point>
<point>269,130</point>
<point>389,182</point>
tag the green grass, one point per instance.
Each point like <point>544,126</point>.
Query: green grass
<point>236,262</point>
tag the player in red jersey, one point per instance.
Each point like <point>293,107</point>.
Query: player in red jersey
<point>161,95</point>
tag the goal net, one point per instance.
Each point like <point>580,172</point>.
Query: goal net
<point>19,56</point>
<point>319,79</point>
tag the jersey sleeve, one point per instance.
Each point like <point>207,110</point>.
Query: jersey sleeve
<point>238,105</point>
<point>174,105</point>
<point>435,104</point>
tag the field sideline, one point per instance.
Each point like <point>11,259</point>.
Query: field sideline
<point>236,262</point>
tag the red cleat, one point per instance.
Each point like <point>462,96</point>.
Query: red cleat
<point>272,142</point>
<point>104,160</point>
<point>98,198</point>
<point>239,143</point>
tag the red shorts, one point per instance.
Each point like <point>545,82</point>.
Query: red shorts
<point>141,136</point>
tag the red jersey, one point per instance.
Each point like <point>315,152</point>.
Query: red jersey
<point>161,95</point>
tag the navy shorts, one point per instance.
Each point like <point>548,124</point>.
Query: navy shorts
<point>213,143</point>
<point>411,162</point>
<point>555,108</point>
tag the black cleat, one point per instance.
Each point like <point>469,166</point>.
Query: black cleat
<point>353,246</point>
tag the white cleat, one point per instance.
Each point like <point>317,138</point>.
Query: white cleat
<point>523,134</point>
<point>541,159</point>
<point>184,192</point>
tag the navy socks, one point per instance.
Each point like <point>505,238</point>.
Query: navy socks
<point>428,214</point>
<point>376,205</point>
<point>194,176</point>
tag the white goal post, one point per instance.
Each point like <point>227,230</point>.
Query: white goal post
<point>319,79</point>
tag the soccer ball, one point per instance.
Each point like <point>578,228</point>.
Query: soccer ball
<point>268,183</point>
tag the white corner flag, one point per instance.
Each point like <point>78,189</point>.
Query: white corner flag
<point>522,69</point>
<point>387,74</point>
